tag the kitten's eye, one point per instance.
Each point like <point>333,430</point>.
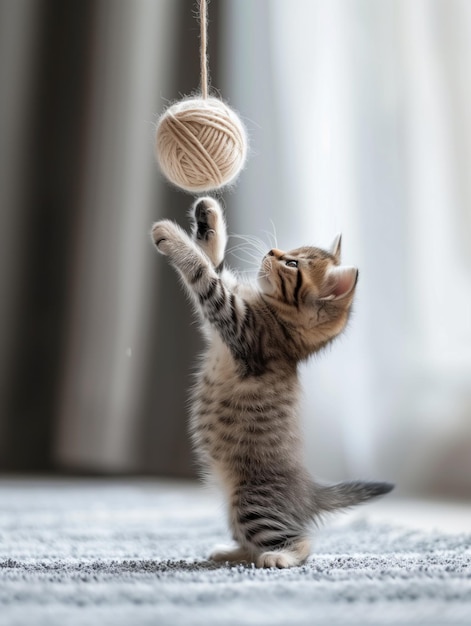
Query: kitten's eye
<point>292,263</point>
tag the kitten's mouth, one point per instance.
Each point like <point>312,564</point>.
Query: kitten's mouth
<point>266,265</point>
<point>264,276</point>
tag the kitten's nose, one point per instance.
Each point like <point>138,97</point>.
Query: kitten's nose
<point>275,252</point>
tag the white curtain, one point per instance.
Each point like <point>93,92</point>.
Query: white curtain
<point>359,113</point>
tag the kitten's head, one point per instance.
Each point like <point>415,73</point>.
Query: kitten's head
<point>310,287</point>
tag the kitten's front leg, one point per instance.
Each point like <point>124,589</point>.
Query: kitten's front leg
<point>226,311</point>
<point>209,229</point>
<point>194,266</point>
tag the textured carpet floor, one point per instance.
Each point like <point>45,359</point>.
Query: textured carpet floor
<point>88,552</point>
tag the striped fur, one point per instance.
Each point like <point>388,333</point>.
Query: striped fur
<point>244,415</point>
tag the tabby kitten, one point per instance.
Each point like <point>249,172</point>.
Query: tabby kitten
<point>244,419</point>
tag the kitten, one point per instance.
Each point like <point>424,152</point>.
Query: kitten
<point>244,419</point>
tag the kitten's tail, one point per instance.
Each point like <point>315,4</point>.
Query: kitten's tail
<point>343,495</point>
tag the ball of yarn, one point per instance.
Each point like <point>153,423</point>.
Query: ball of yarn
<point>201,144</point>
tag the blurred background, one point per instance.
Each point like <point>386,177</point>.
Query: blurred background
<point>359,116</point>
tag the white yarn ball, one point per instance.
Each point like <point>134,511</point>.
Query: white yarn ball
<point>201,144</point>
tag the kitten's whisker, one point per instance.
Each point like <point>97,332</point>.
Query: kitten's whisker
<point>272,238</point>
<point>246,272</point>
<point>255,254</point>
<point>261,245</point>
<point>256,242</point>
<point>245,248</point>
<point>253,260</point>
<point>240,246</point>
<point>274,233</point>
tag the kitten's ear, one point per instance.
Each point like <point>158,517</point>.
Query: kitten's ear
<point>339,282</point>
<point>335,247</point>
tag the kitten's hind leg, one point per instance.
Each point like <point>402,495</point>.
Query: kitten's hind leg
<point>209,229</point>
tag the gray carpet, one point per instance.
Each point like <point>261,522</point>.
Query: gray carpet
<point>88,552</point>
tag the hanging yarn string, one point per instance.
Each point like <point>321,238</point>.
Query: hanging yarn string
<point>201,143</point>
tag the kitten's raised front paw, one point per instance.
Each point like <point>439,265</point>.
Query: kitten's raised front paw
<point>164,234</point>
<point>209,229</point>
<point>207,217</point>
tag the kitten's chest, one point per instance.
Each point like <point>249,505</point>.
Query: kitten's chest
<point>219,389</point>
<point>237,419</point>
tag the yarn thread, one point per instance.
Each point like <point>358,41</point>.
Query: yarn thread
<point>204,48</point>
<point>201,143</point>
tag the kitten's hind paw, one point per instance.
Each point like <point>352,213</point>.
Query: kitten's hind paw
<point>223,554</point>
<point>296,554</point>
<point>279,560</point>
